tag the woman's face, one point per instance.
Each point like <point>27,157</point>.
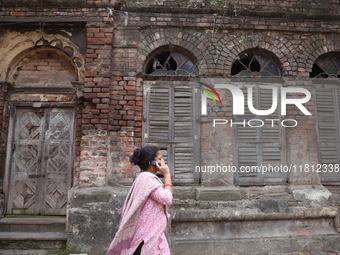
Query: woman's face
<point>159,156</point>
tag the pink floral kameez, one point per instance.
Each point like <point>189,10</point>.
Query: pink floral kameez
<point>151,225</point>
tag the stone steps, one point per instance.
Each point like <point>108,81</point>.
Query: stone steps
<point>33,224</point>
<point>33,232</point>
<point>44,236</point>
<point>251,231</point>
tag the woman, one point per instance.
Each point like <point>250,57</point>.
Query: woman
<point>144,213</point>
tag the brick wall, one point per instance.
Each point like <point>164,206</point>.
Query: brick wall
<point>215,56</point>
<point>122,144</point>
<point>45,68</point>
<point>217,142</point>
<point>302,140</point>
<point>93,153</point>
<point>97,75</point>
<point>118,45</point>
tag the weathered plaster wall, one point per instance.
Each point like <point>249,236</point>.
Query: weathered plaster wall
<point>108,51</point>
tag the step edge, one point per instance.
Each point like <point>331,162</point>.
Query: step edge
<point>41,236</point>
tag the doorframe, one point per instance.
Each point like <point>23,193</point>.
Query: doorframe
<point>10,138</point>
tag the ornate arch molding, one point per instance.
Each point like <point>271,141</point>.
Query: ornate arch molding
<point>151,40</point>
<point>234,43</point>
<point>316,46</point>
<point>28,55</point>
<point>16,45</point>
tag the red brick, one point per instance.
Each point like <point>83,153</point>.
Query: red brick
<point>102,106</point>
<point>94,121</point>
<point>102,94</point>
<point>90,95</point>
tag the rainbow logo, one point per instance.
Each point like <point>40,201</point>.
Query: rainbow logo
<point>209,93</point>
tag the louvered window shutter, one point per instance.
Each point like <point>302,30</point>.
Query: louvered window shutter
<point>158,121</point>
<point>272,139</point>
<point>246,145</point>
<point>327,113</point>
<point>258,147</point>
<point>169,122</point>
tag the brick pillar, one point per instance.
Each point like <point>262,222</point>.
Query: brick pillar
<point>93,148</point>
<point>95,113</point>
<point>126,101</point>
<point>97,76</point>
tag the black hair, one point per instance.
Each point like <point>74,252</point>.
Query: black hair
<point>142,157</point>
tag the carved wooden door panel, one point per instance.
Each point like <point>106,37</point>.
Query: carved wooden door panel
<point>42,161</point>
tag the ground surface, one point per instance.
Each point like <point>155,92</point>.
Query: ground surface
<point>49,252</point>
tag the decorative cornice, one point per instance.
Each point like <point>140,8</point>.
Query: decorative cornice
<point>6,86</point>
<point>79,88</point>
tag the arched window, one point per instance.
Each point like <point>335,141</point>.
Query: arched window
<point>326,66</point>
<point>170,63</point>
<point>327,115</point>
<point>252,64</point>
<point>170,111</point>
<point>258,145</point>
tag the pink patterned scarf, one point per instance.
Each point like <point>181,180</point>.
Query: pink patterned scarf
<point>144,184</point>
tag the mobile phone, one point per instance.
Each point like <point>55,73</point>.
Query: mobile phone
<point>153,163</point>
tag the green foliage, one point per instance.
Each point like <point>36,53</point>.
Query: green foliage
<point>219,4</point>
<point>197,35</point>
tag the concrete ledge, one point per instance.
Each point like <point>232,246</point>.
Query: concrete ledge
<point>238,231</point>
<point>250,214</point>
<point>59,3</point>
<point>78,197</point>
<point>35,220</point>
<point>182,192</point>
<point>93,218</point>
<point>219,231</point>
<point>218,194</point>
<point>256,246</point>
<point>49,236</point>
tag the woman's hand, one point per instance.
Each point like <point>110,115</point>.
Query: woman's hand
<point>165,171</point>
<point>163,168</point>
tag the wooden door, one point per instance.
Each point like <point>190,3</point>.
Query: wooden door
<point>42,161</point>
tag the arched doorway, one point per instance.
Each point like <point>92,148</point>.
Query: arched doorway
<point>40,148</point>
